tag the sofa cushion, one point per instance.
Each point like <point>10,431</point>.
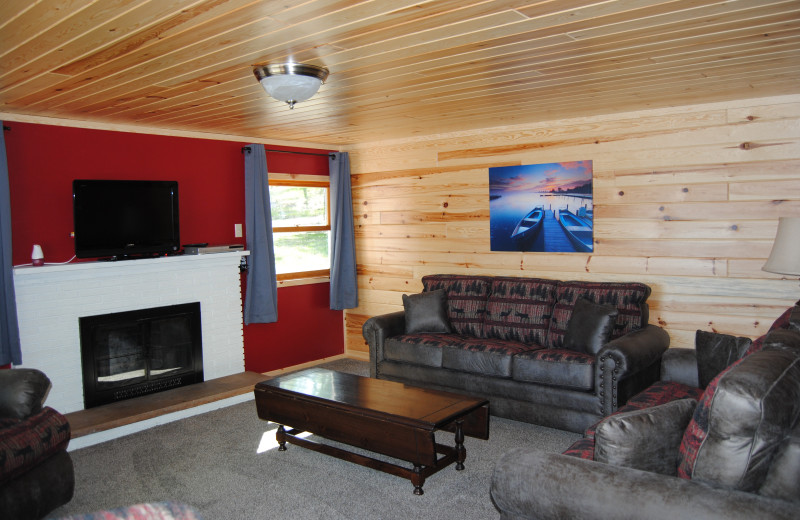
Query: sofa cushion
<point>783,477</point>
<point>557,367</point>
<point>790,319</point>
<point>660,392</point>
<point>629,298</point>
<point>22,392</point>
<point>519,309</point>
<point>418,349</point>
<point>146,511</point>
<point>647,439</point>
<point>426,312</point>
<point>25,443</point>
<point>466,300</point>
<point>744,414</point>
<point>582,448</point>
<point>590,326</point>
<point>490,357</point>
<point>715,352</point>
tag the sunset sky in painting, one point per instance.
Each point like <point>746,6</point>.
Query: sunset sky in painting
<point>539,178</point>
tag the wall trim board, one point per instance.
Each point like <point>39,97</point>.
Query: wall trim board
<point>151,130</point>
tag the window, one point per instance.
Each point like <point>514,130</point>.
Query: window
<point>301,225</point>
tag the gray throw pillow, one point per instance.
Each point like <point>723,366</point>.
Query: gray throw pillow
<point>590,326</point>
<point>716,352</point>
<point>646,439</point>
<point>426,312</point>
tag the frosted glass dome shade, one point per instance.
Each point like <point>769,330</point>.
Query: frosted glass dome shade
<point>291,82</point>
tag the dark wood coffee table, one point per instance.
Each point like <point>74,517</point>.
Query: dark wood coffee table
<point>380,416</point>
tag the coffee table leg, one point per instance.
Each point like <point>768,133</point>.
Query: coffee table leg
<point>418,479</point>
<point>280,436</point>
<point>461,452</point>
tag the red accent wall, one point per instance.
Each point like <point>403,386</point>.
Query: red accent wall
<point>43,161</point>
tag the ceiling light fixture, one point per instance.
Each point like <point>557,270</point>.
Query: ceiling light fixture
<point>291,82</point>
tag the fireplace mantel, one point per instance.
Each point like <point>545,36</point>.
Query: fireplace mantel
<point>51,298</point>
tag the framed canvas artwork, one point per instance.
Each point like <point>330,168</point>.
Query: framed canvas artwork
<point>542,207</point>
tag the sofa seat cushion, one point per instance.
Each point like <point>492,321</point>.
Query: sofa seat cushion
<point>489,357</point>
<point>660,392</point>
<point>630,298</point>
<point>559,367</point>
<point>419,349</point>
<point>25,443</point>
<point>519,309</point>
<point>646,439</point>
<point>466,300</point>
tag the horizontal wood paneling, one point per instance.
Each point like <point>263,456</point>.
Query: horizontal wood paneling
<point>399,68</point>
<point>680,205</point>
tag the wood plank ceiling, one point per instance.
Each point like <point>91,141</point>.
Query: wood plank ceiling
<point>399,68</point>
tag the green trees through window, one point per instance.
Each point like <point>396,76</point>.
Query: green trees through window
<point>301,227</point>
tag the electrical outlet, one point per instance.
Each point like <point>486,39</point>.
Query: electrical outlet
<point>237,230</point>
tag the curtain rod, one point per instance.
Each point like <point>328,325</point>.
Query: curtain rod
<point>247,149</point>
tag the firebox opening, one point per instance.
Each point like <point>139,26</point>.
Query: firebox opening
<point>134,353</point>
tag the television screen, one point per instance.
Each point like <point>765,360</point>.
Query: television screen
<point>120,219</point>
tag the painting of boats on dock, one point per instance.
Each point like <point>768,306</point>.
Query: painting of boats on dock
<point>542,207</point>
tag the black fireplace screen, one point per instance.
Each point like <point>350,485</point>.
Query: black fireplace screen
<point>128,354</point>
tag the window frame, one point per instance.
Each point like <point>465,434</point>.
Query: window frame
<point>309,181</point>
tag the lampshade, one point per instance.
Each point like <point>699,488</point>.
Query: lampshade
<point>785,255</point>
<point>291,82</point>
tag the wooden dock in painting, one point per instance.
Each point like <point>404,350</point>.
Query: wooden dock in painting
<point>552,237</point>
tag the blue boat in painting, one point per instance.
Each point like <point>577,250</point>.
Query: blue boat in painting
<point>529,226</point>
<point>578,230</point>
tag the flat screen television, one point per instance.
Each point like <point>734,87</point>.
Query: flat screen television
<point>125,219</point>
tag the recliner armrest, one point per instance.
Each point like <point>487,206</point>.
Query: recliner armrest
<point>624,358</point>
<point>528,483</point>
<point>680,366</point>
<point>22,392</point>
<point>376,330</point>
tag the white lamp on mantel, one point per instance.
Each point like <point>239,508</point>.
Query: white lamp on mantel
<point>785,255</point>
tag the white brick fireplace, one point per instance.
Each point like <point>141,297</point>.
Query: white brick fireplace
<point>51,298</point>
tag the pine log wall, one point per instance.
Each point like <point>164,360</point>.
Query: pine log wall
<point>686,200</point>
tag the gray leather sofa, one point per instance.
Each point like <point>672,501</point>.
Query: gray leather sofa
<point>558,354</point>
<point>737,458</point>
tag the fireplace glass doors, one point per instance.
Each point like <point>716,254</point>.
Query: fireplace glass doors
<point>128,354</point>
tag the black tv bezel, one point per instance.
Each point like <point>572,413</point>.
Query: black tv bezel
<point>137,251</point>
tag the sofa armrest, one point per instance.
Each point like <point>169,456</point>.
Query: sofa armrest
<point>625,358</point>
<point>528,483</point>
<point>376,330</point>
<point>680,365</point>
<point>22,392</point>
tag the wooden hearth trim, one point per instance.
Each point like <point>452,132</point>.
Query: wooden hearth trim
<point>118,414</point>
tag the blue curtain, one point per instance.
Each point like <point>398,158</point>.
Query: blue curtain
<point>261,300</point>
<point>10,351</point>
<point>344,288</point>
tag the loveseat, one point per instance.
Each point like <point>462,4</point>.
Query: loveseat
<point>555,353</point>
<point>717,437</point>
<point>36,473</point>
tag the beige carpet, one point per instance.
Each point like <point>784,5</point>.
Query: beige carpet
<point>224,464</point>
